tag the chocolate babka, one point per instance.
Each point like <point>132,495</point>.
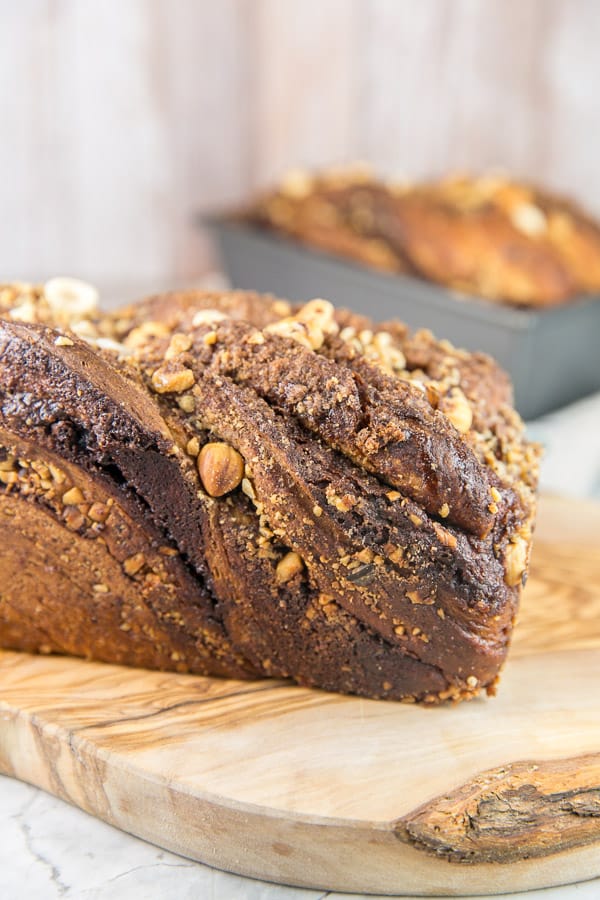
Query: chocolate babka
<point>489,236</point>
<point>224,484</point>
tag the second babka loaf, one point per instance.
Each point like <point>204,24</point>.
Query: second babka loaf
<point>490,236</point>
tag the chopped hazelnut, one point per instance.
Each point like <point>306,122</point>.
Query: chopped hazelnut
<point>73,497</point>
<point>98,512</point>
<point>57,474</point>
<point>139,336</point>
<point>70,298</point>
<point>444,536</point>
<point>172,380</point>
<point>179,343</point>
<point>297,183</point>
<point>208,317</point>
<point>248,489</point>
<point>281,308</point>
<point>186,403</point>
<point>515,561</point>
<point>134,563</point>
<point>309,326</point>
<point>455,407</point>
<point>288,567</point>
<point>193,447</point>
<point>529,219</point>
<point>168,551</point>
<point>74,520</point>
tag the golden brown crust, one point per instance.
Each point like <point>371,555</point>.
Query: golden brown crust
<point>336,213</point>
<point>489,236</point>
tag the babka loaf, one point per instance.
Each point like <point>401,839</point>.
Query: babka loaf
<point>221,483</point>
<point>489,236</point>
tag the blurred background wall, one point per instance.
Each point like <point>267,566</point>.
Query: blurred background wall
<point>120,120</point>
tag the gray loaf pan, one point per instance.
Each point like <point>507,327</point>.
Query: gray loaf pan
<point>551,355</point>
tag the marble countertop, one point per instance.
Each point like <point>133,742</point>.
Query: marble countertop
<point>49,849</point>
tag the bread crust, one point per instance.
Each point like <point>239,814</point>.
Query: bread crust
<point>490,236</point>
<point>375,540</point>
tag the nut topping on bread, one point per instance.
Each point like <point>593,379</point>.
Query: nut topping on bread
<point>231,485</point>
<point>221,468</point>
<point>489,236</point>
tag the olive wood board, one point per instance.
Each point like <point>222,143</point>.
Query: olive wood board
<point>308,788</point>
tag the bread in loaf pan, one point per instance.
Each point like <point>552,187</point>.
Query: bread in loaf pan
<point>490,236</point>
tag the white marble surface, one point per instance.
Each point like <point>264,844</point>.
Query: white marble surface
<point>49,849</point>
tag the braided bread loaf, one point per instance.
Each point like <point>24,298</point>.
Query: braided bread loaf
<point>223,484</point>
<point>490,236</point>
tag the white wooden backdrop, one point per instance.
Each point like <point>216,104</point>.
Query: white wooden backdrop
<point>120,119</point>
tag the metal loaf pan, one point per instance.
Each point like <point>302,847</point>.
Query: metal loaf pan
<point>552,355</point>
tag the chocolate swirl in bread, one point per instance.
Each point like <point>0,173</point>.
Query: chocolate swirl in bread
<point>490,236</point>
<point>224,484</point>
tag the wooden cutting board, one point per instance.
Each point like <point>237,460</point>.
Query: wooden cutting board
<point>308,788</point>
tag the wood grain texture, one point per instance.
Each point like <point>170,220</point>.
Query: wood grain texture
<point>304,787</point>
<point>561,609</point>
<point>121,120</point>
<point>119,123</point>
<point>306,84</point>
